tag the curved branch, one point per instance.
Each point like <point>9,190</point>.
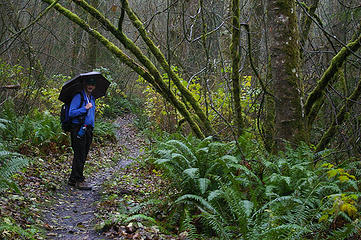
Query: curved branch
<point>163,62</point>
<point>336,62</point>
<point>341,116</point>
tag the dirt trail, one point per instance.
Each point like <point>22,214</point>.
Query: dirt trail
<point>72,215</point>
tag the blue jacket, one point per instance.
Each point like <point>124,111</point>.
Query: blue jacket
<point>75,110</point>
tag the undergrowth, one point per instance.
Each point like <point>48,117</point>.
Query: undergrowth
<point>225,194</point>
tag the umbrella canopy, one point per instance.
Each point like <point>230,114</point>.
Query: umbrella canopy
<point>76,84</point>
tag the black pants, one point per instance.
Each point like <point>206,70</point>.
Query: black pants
<point>81,146</point>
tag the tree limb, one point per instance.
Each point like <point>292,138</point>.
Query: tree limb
<point>341,116</point>
<point>161,59</point>
<point>336,62</point>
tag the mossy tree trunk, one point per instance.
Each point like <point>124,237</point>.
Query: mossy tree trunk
<point>92,41</point>
<point>316,98</point>
<point>306,21</point>
<point>159,56</point>
<point>285,61</point>
<point>76,40</point>
<point>339,119</point>
<point>234,48</point>
<point>336,63</point>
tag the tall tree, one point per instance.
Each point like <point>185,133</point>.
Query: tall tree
<point>235,46</point>
<point>285,63</point>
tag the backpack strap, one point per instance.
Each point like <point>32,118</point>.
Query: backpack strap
<point>82,117</point>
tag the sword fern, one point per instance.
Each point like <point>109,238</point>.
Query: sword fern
<point>10,163</point>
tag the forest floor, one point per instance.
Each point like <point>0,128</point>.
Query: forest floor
<point>121,182</point>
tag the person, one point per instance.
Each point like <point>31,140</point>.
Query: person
<point>82,113</point>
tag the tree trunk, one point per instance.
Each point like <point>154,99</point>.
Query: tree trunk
<point>306,22</point>
<point>235,53</point>
<point>92,42</point>
<point>175,78</point>
<point>285,60</point>
<point>76,40</point>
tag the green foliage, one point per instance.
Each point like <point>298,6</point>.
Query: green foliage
<point>164,115</point>
<point>10,230</point>
<point>50,93</point>
<point>194,163</point>
<point>29,134</point>
<point>10,163</point>
<point>104,131</point>
<point>29,81</point>
<point>117,103</point>
<point>277,197</point>
<point>10,75</point>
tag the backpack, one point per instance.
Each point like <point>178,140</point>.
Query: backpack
<point>65,120</point>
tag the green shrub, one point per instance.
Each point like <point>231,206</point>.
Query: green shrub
<point>104,131</point>
<point>272,197</point>
<point>29,134</point>
<point>10,230</point>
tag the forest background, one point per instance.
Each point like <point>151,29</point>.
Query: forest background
<point>266,91</point>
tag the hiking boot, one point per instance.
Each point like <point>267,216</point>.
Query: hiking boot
<point>83,186</point>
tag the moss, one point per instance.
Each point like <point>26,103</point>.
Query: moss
<point>234,48</point>
<point>285,68</point>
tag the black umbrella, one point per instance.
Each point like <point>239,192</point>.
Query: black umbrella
<point>76,84</point>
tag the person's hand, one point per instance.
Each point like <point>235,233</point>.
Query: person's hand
<point>88,106</point>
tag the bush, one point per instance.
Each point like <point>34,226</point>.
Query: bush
<point>104,131</point>
<point>35,133</point>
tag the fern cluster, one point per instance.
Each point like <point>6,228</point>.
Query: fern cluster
<point>10,163</point>
<point>37,130</point>
<point>286,196</point>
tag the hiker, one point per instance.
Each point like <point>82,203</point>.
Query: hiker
<point>82,112</point>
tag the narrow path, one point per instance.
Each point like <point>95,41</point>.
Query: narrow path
<point>72,214</point>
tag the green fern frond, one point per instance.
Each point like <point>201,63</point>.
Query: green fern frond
<point>205,142</point>
<point>3,123</point>
<point>203,184</point>
<point>285,231</point>
<point>214,195</point>
<point>10,163</point>
<point>181,160</point>
<point>190,198</point>
<point>162,161</point>
<point>182,149</point>
<point>217,224</point>
<point>234,163</point>
<point>284,200</point>
<point>188,226</point>
<point>192,172</point>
